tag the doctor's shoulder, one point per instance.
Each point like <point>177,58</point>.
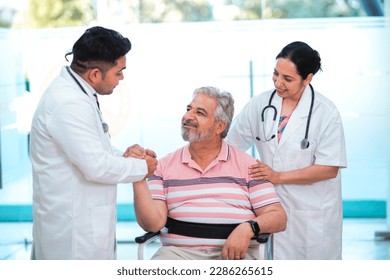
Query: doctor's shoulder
<point>326,104</point>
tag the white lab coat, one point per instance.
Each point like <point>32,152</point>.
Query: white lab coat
<point>75,176</point>
<point>314,211</point>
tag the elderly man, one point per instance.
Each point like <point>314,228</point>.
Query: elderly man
<point>201,196</point>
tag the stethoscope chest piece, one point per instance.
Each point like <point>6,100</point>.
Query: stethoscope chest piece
<point>304,144</point>
<point>105,127</point>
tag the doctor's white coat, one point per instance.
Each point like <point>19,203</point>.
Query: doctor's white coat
<point>75,175</point>
<point>314,211</point>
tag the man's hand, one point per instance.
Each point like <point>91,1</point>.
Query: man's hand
<point>152,165</point>
<point>137,151</point>
<point>237,243</point>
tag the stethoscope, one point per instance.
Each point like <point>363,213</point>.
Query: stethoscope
<point>104,125</point>
<point>305,142</point>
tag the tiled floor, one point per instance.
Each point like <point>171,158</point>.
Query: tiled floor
<point>359,240</point>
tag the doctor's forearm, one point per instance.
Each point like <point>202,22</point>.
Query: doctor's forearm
<point>307,175</point>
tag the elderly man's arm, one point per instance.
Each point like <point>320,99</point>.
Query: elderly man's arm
<point>271,219</point>
<point>151,214</point>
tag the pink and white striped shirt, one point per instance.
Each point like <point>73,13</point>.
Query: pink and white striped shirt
<point>222,193</point>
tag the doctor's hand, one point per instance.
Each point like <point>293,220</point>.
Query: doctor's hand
<point>237,243</point>
<point>262,171</point>
<point>137,151</point>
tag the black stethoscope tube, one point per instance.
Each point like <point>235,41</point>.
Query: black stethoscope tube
<point>305,142</point>
<point>104,125</point>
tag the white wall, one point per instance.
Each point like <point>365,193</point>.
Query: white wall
<point>168,61</point>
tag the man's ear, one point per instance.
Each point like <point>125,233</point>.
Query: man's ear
<point>94,75</point>
<point>220,127</point>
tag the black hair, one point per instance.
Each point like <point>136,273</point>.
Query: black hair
<point>306,59</point>
<point>98,47</point>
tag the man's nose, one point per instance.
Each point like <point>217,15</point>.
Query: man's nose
<point>189,115</point>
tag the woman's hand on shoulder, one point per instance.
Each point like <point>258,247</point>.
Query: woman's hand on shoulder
<point>261,171</point>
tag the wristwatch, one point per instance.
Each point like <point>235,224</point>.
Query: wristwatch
<point>255,227</point>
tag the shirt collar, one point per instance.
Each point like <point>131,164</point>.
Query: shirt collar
<point>222,156</point>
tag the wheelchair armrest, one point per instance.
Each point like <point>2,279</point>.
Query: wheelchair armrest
<point>266,247</point>
<point>146,237</point>
<point>263,237</point>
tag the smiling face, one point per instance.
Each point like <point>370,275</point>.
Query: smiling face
<point>288,83</point>
<point>198,123</point>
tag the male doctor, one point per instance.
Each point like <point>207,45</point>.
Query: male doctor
<point>75,168</point>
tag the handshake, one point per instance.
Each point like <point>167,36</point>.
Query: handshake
<point>136,151</point>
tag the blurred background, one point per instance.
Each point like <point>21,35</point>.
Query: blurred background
<point>179,45</point>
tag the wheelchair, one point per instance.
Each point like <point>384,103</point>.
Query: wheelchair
<point>265,241</point>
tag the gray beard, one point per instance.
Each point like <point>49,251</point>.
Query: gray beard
<point>190,136</point>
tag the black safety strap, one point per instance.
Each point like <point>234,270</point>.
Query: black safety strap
<point>201,230</point>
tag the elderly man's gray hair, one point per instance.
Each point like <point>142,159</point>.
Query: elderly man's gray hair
<point>225,105</point>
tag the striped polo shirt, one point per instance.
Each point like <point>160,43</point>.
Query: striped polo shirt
<point>222,193</point>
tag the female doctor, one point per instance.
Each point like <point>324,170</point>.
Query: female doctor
<point>299,136</point>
